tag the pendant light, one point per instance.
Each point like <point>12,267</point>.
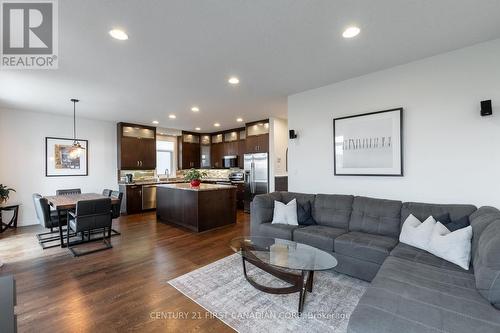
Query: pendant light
<point>76,143</point>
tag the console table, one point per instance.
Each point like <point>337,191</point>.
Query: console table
<point>13,221</point>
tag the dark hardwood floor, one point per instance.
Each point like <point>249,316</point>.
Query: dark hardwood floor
<point>115,290</point>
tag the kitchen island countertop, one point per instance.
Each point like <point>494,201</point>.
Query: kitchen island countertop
<point>202,187</point>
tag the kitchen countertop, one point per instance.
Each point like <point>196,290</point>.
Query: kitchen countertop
<point>202,187</point>
<point>177,181</point>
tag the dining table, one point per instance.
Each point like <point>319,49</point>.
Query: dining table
<point>67,202</point>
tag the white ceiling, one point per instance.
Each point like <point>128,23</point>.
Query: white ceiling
<point>180,53</point>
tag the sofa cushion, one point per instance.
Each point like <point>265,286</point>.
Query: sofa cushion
<point>319,236</point>
<point>283,231</point>
<point>408,296</point>
<point>487,265</point>
<point>376,216</point>
<point>424,210</point>
<point>410,253</point>
<point>368,247</point>
<point>479,221</point>
<point>332,210</point>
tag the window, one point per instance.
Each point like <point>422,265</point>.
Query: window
<point>164,157</point>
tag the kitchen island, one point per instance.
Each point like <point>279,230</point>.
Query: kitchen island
<point>199,209</point>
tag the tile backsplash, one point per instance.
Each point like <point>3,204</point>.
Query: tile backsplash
<point>139,174</point>
<point>211,173</point>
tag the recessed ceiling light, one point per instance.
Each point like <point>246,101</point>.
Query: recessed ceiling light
<point>239,120</point>
<point>351,32</point>
<point>233,80</point>
<point>198,129</point>
<point>156,122</point>
<point>172,116</point>
<point>217,125</point>
<point>118,34</point>
<point>195,109</point>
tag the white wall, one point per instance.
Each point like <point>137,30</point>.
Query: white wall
<point>278,143</point>
<point>22,156</point>
<point>451,153</point>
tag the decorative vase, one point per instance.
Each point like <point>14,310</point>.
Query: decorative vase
<point>195,183</point>
<point>3,200</point>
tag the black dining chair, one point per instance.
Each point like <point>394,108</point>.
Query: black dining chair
<point>69,191</point>
<point>116,208</point>
<point>106,192</point>
<point>90,215</point>
<point>49,219</point>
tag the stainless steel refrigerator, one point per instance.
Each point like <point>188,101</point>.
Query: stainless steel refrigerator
<point>256,177</point>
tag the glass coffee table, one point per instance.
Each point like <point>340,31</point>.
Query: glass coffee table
<point>289,261</point>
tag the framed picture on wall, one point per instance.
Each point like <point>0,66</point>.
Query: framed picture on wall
<point>369,144</point>
<point>63,159</point>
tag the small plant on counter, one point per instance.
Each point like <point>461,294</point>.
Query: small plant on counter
<point>4,193</point>
<point>194,176</point>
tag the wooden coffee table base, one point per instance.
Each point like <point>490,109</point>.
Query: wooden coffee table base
<point>301,283</point>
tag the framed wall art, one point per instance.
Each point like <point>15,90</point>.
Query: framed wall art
<point>62,158</point>
<point>369,144</point>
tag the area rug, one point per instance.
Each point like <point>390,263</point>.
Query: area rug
<point>224,292</point>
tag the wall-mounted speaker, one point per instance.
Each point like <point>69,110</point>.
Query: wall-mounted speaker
<point>486,109</point>
<point>292,135</point>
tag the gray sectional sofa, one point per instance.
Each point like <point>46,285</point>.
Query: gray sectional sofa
<point>411,290</point>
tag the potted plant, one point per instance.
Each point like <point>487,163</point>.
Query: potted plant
<point>4,193</point>
<point>194,177</point>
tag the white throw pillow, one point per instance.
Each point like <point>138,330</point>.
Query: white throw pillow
<point>285,214</point>
<point>416,233</point>
<point>453,246</point>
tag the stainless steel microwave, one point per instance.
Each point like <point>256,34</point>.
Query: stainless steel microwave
<point>230,161</point>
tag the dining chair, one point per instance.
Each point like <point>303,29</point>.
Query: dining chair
<point>49,219</point>
<point>69,191</point>
<point>106,192</point>
<point>116,208</point>
<point>90,215</point>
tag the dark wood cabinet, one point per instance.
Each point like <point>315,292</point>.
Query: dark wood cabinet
<point>281,183</point>
<point>217,152</point>
<point>132,199</point>
<point>241,153</point>
<point>240,196</point>
<point>263,143</point>
<point>136,147</point>
<point>198,210</point>
<point>147,150</point>
<point>230,148</point>
<point>257,143</point>
<point>189,155</point>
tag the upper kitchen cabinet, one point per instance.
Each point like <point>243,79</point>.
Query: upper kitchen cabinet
<point>242,148</point>
<point>217,150</point>
<point>136,147</point>
<point>205,151</point>
<point>231,143</point>
<point>257,137</point>
<point>189,151</point>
